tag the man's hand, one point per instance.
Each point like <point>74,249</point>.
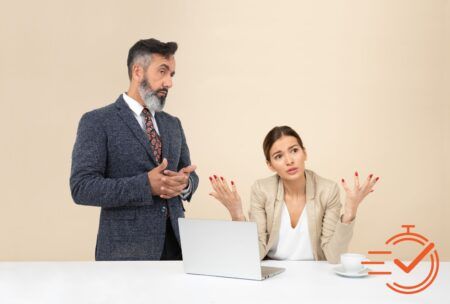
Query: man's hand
<point>155,177</point>
<point>168,184</point>
<point>176,182</point>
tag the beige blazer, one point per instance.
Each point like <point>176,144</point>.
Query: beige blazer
<point>329,236</point>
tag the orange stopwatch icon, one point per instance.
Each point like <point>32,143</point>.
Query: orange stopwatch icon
<point>427,249</point>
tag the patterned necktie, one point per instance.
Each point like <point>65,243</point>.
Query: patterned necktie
<point>155,141</point>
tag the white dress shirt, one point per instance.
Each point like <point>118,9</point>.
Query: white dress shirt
<point>137,108</point>
<point>293,243</point>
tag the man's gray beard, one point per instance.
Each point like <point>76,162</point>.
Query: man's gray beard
<point>151,100</point>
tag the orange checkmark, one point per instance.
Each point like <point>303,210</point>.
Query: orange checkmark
<point>416,261</point>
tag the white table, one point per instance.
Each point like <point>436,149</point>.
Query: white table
<point>165,282</point>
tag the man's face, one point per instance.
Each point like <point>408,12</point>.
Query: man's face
<point>157,81</point>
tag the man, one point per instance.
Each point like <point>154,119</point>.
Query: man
<point>131,159</point>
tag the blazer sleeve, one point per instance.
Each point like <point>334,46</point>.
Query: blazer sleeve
<point>185,160</point>
<point>258,214</point>
<point>336,235</point>
<point>88,183</point>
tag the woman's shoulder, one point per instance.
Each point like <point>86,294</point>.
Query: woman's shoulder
<point>267,182</point>
<point>267,185</point>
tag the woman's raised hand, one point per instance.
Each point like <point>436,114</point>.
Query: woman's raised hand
<point>229,197</point>
<point>356,195</point>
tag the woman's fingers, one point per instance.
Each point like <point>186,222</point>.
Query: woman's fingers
<point>233,187</point>
<point>214,194</point>
<point>371,181</point>
<point>344,184</point>
<point>366,184</point>
<point>356,178</point>
<point>374,181</point>
<point>215,185</point>
<point>225,185</point>
<point>220,185</point>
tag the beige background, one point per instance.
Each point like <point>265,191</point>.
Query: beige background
<point>365,83</point>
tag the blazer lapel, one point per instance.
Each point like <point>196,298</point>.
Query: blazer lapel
<point>128,118</point>
<point>311,211</point>
<point>279,200</point>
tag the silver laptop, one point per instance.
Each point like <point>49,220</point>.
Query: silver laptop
<point>222,248</point>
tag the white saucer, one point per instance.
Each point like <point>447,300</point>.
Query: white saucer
<point>339,270</point>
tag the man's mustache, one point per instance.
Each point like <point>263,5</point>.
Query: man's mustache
<point>165,91</point>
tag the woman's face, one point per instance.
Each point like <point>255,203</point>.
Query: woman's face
<point>287,158</point>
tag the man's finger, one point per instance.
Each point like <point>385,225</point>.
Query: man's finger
<point>171,173</point>
<point>188,169</point>
<point>163,165</point>
<point>174,180</point>
<point>170,192</point>
<point>175,188</point>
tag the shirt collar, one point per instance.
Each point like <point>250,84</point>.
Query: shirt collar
<point>134,105</point>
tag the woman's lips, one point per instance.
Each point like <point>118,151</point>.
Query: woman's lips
<point>292,171</point>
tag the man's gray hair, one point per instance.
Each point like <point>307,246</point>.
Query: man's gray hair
<point>143,60</point>
<point>140,53</point>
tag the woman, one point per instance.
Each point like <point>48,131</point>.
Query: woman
<point>298,213</point>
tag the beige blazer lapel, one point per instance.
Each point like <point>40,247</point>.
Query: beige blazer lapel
<point>311,211</point>
<point>276,216</point>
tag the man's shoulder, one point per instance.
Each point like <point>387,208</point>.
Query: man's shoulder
<point>102,112</point>
<point>168,116</point>
<point>167,119</point>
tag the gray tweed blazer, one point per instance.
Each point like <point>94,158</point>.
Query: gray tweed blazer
<point>110,161</point>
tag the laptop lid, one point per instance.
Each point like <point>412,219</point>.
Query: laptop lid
<point>220,248</point>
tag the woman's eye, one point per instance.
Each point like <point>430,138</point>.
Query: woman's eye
<point>162,72</point>
<point>295,150</point>
<point>277,157</point>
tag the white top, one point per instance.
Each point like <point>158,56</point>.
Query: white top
<point>137,108</point>
<point>293,243</point>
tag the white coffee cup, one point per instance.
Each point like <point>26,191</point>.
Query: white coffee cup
<point>352,262</point>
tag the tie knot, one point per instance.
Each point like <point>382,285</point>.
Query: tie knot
<point>146,112</point>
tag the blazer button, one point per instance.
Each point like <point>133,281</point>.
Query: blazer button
<point>163,209</point>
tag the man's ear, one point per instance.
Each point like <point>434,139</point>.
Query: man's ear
<point>137,72</point>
